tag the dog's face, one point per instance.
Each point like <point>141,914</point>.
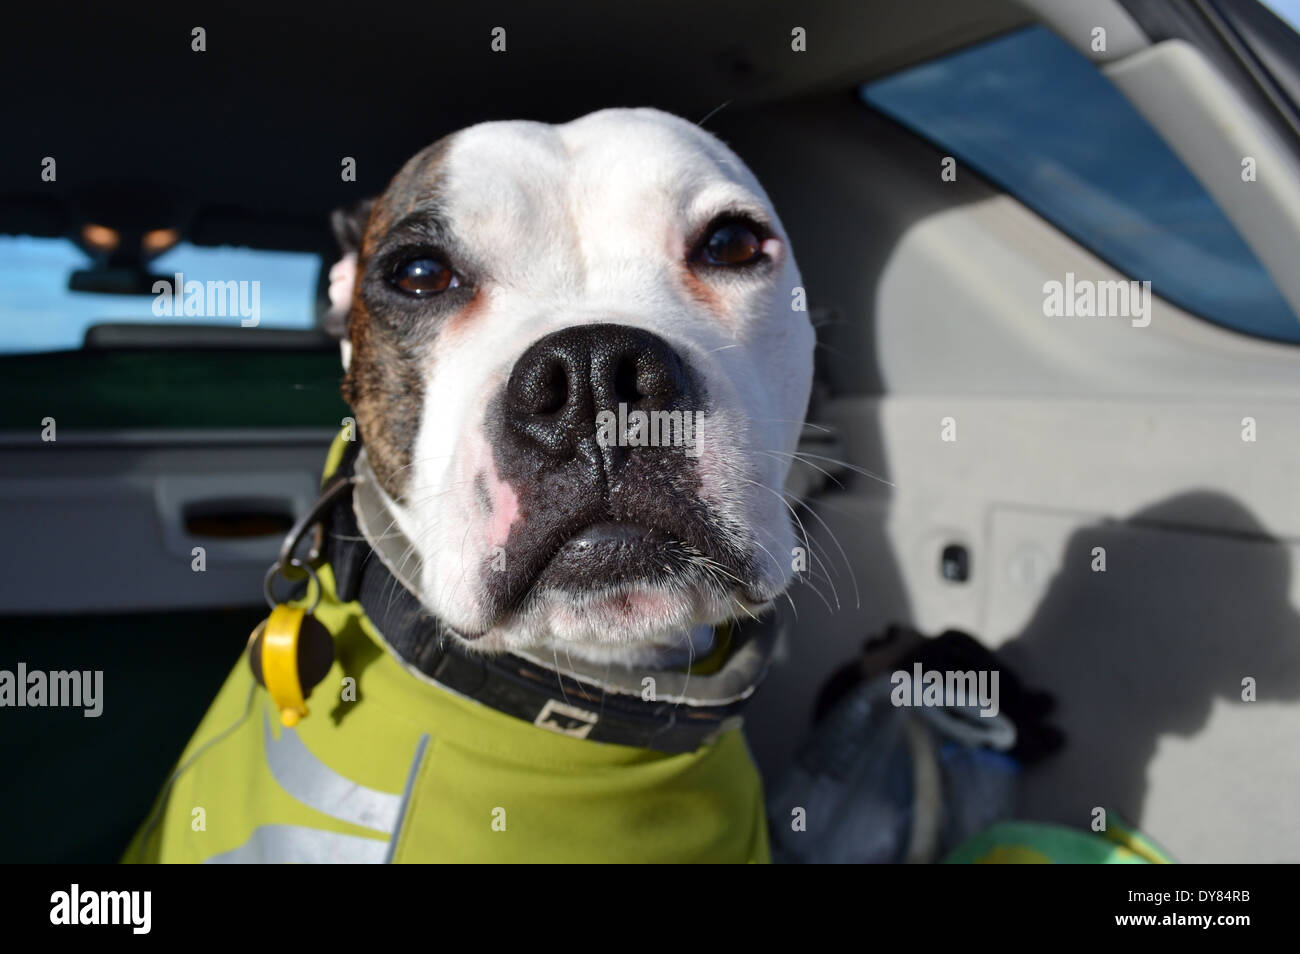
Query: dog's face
<point>579,364</point>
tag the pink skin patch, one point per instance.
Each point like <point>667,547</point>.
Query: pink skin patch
<point>630,603</point>
<point>505,509</point>
<point>634,603</point>
<point>497,501</point>
<point>343,275</point>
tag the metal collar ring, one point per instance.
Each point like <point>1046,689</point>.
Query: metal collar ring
<point>279,568</point>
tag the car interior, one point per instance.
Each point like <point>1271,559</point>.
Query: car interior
<point>968,458</point>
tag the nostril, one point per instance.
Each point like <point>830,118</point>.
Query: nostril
<point>658,375</point>
<point>627,384</point>
<point>554,391</point>
<point>543,388</point>
<point>646,372</point>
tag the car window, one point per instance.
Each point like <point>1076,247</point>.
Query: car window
<point>1288,10</point>
<point>1038,119</point>
<point>41,313</point>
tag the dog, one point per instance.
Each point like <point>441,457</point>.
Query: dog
<point>579,368</point>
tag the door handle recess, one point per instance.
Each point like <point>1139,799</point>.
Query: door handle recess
<point>237,518</point>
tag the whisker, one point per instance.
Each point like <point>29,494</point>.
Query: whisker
<point>802,455</point>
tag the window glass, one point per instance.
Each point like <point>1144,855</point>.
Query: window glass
<point>1038,119</point>
<point>40,312</point>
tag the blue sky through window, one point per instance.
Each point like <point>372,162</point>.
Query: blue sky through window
<point>39,313</point>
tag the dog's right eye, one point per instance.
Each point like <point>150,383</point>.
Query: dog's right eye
<point>424,275</point>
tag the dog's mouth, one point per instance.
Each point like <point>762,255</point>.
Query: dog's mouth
<point>632,565</point>
<point>632,580</point>
<point>609,554</point>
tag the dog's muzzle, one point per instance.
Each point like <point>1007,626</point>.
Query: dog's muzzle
<point>601,513</point>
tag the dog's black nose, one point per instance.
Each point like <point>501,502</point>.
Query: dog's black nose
<point>560,384</point>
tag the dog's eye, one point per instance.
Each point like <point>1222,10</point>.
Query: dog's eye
<point>425,275</point>
<point>732,243</point>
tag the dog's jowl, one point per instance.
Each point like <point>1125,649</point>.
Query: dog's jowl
<point>578,383</point>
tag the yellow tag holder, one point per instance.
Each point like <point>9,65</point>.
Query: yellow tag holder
<point>292,638</point>
<point>282,652</point>
<point>280,662</point>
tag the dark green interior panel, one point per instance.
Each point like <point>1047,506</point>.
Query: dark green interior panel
<point>101,390</point>
<point>76,788</point>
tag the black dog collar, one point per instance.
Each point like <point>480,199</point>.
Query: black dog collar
<point>578,705</point>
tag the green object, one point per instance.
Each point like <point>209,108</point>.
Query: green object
<point>99,390</point>
<point>1018,842</point>
<point>389,767</point>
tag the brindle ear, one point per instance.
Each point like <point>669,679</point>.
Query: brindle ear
<point>349,224</point>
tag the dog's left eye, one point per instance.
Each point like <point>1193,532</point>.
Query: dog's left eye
<point>424,275</point>
<point>731,243</point>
